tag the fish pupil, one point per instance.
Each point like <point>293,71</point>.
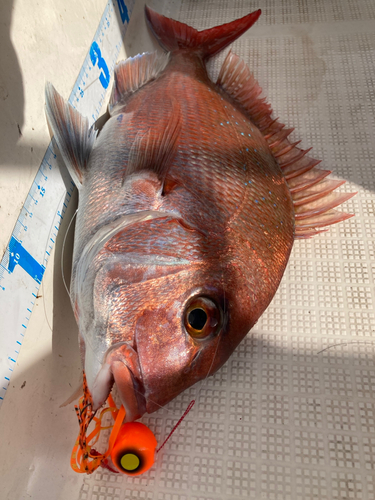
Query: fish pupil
<point>197,318</point>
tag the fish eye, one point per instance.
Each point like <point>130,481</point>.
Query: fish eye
<point>202,318</point>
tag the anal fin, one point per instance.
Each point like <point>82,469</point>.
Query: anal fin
<point>311,192</point>
<point>135,72</point>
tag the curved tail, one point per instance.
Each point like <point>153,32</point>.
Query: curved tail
<point>173,35</point>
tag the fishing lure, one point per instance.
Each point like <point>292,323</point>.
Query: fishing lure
<point>131,447</point>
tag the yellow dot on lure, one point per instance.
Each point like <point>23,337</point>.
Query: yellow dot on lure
<point>129,461</point>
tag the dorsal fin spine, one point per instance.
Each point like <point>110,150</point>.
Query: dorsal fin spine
<point>309,181</point>
<point>313,209</point>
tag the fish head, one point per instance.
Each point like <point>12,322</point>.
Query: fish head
<point>155,319</point>
<point>188,336</point>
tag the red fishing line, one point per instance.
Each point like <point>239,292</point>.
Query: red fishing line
<point>191,404</point>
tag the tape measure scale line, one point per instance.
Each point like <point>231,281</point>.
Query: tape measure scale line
<point>95,57</point>
<point>25,259</point>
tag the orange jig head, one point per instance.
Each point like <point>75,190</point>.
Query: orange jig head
<point>131,446</point>
<point>134,450</point>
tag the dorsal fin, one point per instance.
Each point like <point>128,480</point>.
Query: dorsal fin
<point>155,148</point>
<point>72,133</point>
<point>311,192</point>
<point>134,73</point>
<point>173,35</point>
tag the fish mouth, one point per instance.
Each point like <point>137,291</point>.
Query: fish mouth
<point>120,366</point>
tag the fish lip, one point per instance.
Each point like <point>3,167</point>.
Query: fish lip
<point>125,368</point>
<point>121,366</point>
<point>129,391</point>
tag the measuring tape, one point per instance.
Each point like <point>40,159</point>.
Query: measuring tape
<point>25,259</point>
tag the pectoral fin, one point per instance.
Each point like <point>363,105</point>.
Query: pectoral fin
<point>154,149</point>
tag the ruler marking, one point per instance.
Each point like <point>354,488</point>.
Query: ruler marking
<point>19,256</point>
<point>40,218</point>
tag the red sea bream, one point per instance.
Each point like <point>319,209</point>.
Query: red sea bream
<point>190,199</point>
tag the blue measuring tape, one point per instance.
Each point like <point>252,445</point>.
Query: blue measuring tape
<point>27,253</point>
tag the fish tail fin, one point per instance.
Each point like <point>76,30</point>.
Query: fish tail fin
<point>173,35</point>
<point>72,133</point>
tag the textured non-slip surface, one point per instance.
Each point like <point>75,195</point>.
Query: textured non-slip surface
<point>292,413</point>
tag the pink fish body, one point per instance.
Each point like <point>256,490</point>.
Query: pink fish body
<point>190,198</point>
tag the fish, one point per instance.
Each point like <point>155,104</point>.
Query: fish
<point>191,196</point>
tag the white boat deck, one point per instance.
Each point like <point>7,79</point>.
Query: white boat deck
<point>292,413</point>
